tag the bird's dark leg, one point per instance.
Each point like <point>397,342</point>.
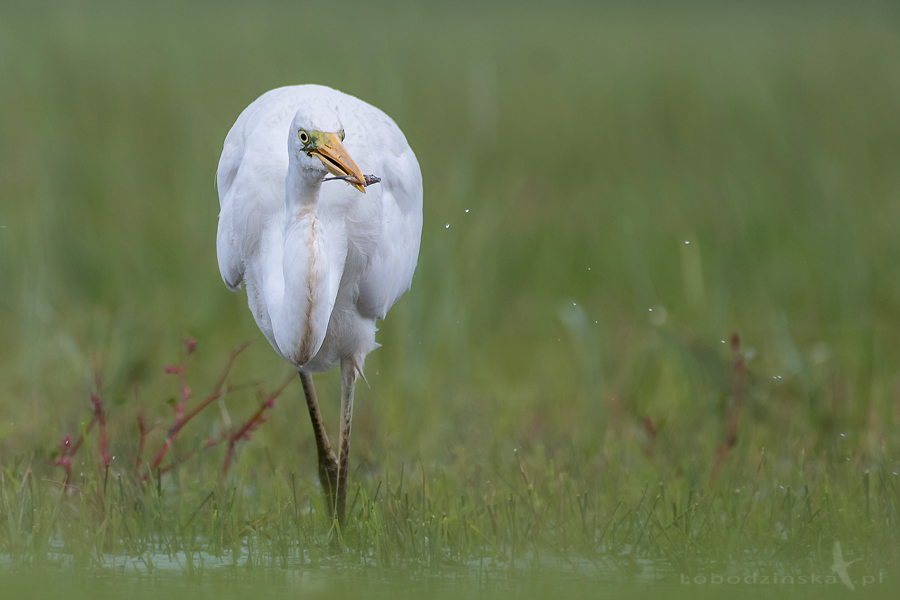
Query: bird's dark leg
<point>328,465</point>
<point>348,380</point>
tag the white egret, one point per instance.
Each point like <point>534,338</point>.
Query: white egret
<point>321,260</point>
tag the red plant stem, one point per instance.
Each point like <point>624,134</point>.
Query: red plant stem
<point>70,447</point>
<point>181,421</point>
<point>184,392</point>
<point>142,433</point>
<point>100,418</point>
<point>740,375</point>
<point>217,389</point>
<point>64,459</point>
<point>255,420</point>
<point>228,454</point>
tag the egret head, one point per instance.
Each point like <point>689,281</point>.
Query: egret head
<point>316,142</point>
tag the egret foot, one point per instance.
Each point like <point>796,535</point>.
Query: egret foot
<point>328,473</point>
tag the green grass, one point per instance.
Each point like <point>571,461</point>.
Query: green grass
<point>588,145</point>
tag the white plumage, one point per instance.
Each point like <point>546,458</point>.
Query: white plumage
<point>320,260</point>
<point>371,240</point>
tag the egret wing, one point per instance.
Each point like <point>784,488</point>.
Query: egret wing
<point>393,260</point>
<point>250,180</point>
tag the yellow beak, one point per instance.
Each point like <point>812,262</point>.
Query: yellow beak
<point>335,158</point>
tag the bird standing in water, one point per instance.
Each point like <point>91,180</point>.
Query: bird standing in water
<point>321,260</point>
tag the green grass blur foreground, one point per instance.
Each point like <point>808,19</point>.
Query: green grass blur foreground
<point>611,192</point>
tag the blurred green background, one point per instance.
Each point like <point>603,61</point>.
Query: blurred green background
<point>611,190</point>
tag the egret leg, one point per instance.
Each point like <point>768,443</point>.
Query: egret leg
<point>348,380</point>
<point>328,465</point>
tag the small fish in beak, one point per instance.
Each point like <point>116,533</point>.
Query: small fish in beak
<point>368,179</point>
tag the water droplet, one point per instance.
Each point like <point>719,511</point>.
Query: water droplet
<point>447,226</point>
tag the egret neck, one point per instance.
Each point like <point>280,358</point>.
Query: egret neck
<point>315,249</point>
<point>301,185</point>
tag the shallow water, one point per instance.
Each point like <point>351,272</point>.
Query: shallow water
<point>379,584</point>
<point>206,576</point>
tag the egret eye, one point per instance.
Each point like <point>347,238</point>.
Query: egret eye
<point>341,134</point>
<point>304,137</point>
